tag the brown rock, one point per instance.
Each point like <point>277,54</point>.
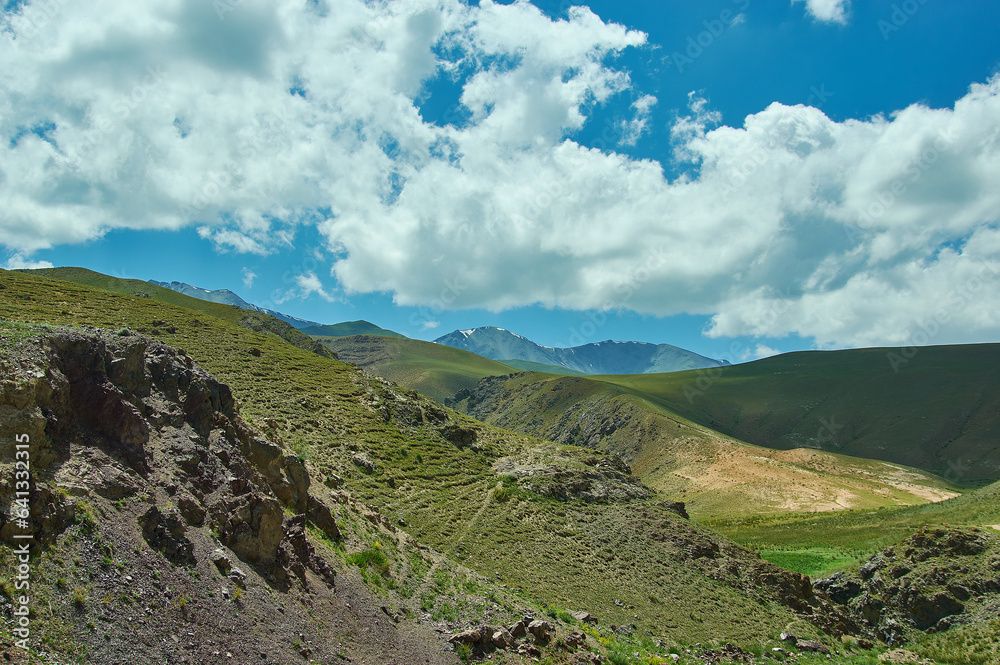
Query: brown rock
<point>540,629</point>
<point>502,639</point>
<point>471,636</point>
<point>518,630</point>
<point>584,617</point>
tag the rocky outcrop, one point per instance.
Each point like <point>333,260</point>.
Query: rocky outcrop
<point>563,475</point>
<point>120,415</point>
<point>928,582</point>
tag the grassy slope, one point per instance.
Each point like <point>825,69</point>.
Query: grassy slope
<point>349,328</point>
<point>252,320</point>
<point>434,370</point>
<point>859,533</point>
<point>573,554</point>
<point>528,366</point>
<point>939,412</point>
<point>714,474</point>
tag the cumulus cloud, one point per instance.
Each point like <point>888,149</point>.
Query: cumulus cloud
<point>868,231</point>
<point>248,277</point>
<point>829,11</point>
<point>21,262</point>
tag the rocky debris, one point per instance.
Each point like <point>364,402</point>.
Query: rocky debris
<point>556,474</point>
<point>165,532</point>
<point>297,552</point>
<point>813,646</point>
<point>903,657</point>
<point>576,639</point>
<point>727,653</point>
<point>584,617</point>
<point>518,630</point>
<point>924,583</point>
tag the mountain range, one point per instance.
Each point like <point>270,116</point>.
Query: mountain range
<point>227,297</point>
<point>608,357</point>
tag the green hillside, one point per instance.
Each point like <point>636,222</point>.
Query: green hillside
<point>349,328</point>
<point>713,473</point>
<point>245,318</point>
<point>938,411</point>
<point>501,504</point>
<point>431,369</point>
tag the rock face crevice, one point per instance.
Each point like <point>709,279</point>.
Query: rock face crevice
<point>120,415</point>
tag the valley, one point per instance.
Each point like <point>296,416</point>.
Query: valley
<point>443,521</point>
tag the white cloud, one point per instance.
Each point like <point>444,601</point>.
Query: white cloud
<point>829,11</point>
<point>20,261</point>
<point>866,231</point>
<point>309,284</point>
<point>764,351</point>
<point>431,325</point>
<point>248,277</point>
<point>633,130</point>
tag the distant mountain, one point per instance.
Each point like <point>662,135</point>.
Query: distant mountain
<point>349,328</point>
<point>600,358</point>
<point>227,297</point>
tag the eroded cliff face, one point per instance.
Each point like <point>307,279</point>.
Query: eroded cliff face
<point>163,525</point>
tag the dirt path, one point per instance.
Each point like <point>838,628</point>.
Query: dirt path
<point>429,577</point>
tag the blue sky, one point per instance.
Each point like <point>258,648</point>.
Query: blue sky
<point>733,176</point>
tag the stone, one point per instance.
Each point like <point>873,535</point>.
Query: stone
<point>221,561</point>
<point>321,516</point>
<point>502,639</point>
<point>540,629</point>
<point>584,617</point>
<point>191,511</point>
<point>518,630</point>
<point>471,636</point>
<point>251,526</point>
<point>813,646</point>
